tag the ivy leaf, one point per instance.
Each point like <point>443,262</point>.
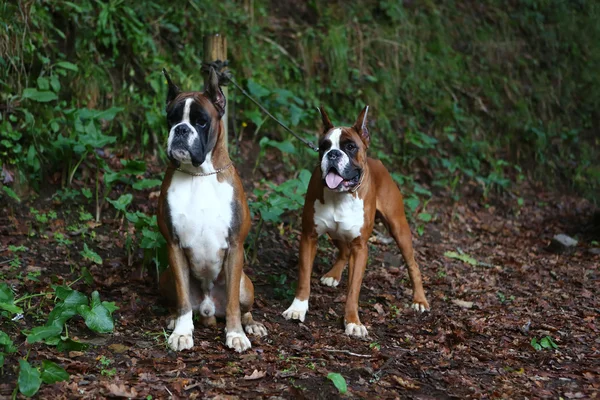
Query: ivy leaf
<point>43,96</point>
<point>52,372</point>
<point>146,184</point>
<point>90,254</point>
<point>67,65</point>
<point>462,257</point>
<point>338,381</point>
<point>44,332</point>
<point>97,317</point>
<point>122,202</point>
<point>29,379</point>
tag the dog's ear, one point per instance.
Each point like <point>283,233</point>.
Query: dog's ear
<point>327,125</point>
<point>361,126</point>
<point>173,89</point>
<point>214,92</point>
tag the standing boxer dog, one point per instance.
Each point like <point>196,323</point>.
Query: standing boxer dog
<point>203,215</point>
<point>343,196</point>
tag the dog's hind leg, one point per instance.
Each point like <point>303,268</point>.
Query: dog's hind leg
<point>246,301</point>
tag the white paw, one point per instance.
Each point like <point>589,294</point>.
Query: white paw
<point>256,329</point>
<point>329,281</point>
<point>180,342</point>
<point>297,310</point>
<point>419,307</point>
<point>237,341</point>
<point>356,330</point>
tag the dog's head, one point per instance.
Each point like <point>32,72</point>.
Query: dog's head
<point>343,152</point>
<point>194,120</point>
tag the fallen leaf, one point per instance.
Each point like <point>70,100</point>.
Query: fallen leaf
<point>255,375</point>
<point>379,308</point>
<point>462,303</point>
<point>118,348</point>
<point>120,390</point>
<point>404,383</point>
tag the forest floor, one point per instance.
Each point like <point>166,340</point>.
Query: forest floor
<point>474,343</point>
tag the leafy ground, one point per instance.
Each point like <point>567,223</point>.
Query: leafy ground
<point>492,284</point>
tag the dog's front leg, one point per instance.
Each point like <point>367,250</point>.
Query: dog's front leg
<point>182,336</point>
<point>308,251</point>
<point>356,268</point>
<point>235,337</point>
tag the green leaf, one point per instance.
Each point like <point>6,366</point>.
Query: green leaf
<point>70,345</point>
<point>146,184</point>
<point>43,332</point>
<point>97,317</point>
<point>109,114</point>
<point>43,83</point>
<point>338,381</point>
<point>535,344</point>
<point>87,276</point>
<point>29,379</point>
<point>11,308</point>
<point>411,203</point>
<point>87,193</point>
<point>110,306</point>
<point>67,65</point>
<point>52,372</point>
<point>11,193</point>
<point>257,90</point>
<point>122,202</point>
<point>90,254</point>
<point>462,257</point>
<point>39,96</point>
<point>1,359</point>
<point>425,217</point>
<point>6,294</point>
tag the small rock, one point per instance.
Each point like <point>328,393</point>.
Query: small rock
<point>462,303</point>
<point>562,243</point>
<point>594,251</point>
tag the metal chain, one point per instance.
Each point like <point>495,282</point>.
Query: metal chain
<point>225,77</point>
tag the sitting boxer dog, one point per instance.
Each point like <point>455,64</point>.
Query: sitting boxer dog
<point>345,192</point>
<point>203,215</point>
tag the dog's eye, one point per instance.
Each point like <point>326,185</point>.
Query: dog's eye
<point>351,146</point>
<point>202,123</point>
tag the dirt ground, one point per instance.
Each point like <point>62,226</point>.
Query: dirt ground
<point>474,343</point>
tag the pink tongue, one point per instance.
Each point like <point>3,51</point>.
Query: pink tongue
<point>333,180</point>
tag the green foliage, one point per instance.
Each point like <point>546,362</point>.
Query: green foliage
<point>31,378</point>
<point>97,315</point>
<point>7,301</point>
<point>90,255</point>
<point>338,381</point>
<point>273,201</point>
<point>467,259</point>
<point>545,343</point>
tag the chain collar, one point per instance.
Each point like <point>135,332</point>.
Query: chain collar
<point>205,173</point>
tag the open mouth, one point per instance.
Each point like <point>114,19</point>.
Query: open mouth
<point>334,180</point>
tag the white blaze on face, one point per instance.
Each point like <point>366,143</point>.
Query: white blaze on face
<point>185,120</point>
<point>342,162</point>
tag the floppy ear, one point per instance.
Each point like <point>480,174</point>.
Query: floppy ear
<point>361,126</point>
<point>327,125</point>
<point>173,89</point>
<point>214,93</point>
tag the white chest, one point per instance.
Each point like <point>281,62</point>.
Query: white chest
<point>201,214</point>
<point>341,215</point>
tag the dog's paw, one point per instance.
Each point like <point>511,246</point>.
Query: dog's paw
<point>329,281</point>
<point>237,341</point>
<point>356,330</point>
<point>297,310</point>
<point>420,305</point>
<point>256,329</point>
<point>178,341</point>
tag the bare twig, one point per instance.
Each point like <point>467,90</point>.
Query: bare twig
<point>281,49</point>
<point>349,353</point>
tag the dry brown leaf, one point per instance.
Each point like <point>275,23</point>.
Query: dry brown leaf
<point>255,375</point>
<point>404,383</point>
<point>120,390</point>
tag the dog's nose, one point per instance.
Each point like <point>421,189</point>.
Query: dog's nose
<point>181,130</point>
<point>334,154</point>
